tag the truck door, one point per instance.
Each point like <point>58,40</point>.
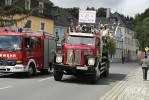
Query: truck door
<point>33,50</point>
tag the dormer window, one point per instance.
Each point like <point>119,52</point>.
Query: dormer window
<point>27,4</point>
<point>41,6</point>
<point>8,2</point>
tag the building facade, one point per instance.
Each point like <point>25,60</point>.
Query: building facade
<point>41,19</point>
<point>122,31</point>
<point>62,22</point>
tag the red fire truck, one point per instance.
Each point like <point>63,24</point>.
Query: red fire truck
<point>26,52</point>
<point>81,55</point>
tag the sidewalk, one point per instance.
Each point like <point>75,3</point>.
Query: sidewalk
<point>131,88</point>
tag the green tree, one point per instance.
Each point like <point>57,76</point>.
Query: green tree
<point>111,46</point>
<point>73,11</point>
<point>142,33</point>
<point>7,12</point>
<point>101,12</point>
<point>141,23</point>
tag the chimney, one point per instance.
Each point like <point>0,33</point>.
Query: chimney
<point>108,13</point>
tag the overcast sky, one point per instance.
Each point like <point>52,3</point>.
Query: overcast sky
<point>126,7</point>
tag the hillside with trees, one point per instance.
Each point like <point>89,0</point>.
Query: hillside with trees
<point>141,23</point>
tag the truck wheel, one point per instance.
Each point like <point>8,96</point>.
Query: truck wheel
<point>96,75</point>
<point>106,72</point>
<point>31,71</point>
<point>58,75</point>
<point>94,78</point>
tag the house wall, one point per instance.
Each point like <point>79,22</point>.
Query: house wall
<point>129,45</point>
<point>36,24</point>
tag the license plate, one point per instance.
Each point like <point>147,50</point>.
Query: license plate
<point>2,67</point>
<point>82,68</point>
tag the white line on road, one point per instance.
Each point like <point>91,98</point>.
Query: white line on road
<point>46,79</point>
<point>5,87</point>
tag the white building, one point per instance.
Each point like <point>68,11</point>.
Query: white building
<point>123,33</point>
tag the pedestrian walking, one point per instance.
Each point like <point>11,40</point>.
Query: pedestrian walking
<point>123,60</point>
<point>145,65</point>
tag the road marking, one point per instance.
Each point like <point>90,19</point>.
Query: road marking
<point>5,87</point>
<point>45,79</point>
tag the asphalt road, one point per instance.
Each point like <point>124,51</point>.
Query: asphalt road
<point>44,87</point>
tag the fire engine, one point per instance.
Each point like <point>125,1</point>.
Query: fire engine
<point>24,52</point>
<point>82,54</point>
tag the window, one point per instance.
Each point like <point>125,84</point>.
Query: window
<point>28,24</point>
<point>29,43</point>
<point>42,25</point>
<point>125,30</point>
<point>8,2</point>
<point>27,4</point>
<point>41,7</point>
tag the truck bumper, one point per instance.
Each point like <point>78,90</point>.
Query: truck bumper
<point>13,69</point>
<point>66,69</point>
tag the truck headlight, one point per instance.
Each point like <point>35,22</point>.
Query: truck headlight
<point>59,58</point>
<point>91,61</point>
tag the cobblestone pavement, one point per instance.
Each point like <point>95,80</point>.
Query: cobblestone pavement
<point>132,87</point>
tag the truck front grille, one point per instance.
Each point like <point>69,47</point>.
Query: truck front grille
<point>78,57</point>
<point>74,57</point>
<point>69,56</point>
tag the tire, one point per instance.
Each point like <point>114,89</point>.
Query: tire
<point>106,72</point>
<point>31,71</point>
<point>58,75</point>
<point>96,75</point>
<point>94,79</point>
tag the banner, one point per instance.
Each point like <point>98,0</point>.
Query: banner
<point>87,16</point>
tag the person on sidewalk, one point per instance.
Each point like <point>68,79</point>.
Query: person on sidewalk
<point>145,64</point>
<point>123,60</point>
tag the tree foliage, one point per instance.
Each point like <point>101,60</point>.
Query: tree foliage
<point>101,12</point>
<point>111,46</point>
<point>7,13</point>
<point>142,29</point>
<point>142,33</point>
<point>73,11</point>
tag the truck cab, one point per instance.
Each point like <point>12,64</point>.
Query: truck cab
<point>81,54</point>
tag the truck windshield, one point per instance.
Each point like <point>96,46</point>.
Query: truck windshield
<point>80,40</point>
<point>10,42</point>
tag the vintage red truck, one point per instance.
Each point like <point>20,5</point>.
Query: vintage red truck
<point>81,54</point>
<point>28,53</point>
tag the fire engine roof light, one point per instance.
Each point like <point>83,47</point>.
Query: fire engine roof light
<point>20,30</point>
